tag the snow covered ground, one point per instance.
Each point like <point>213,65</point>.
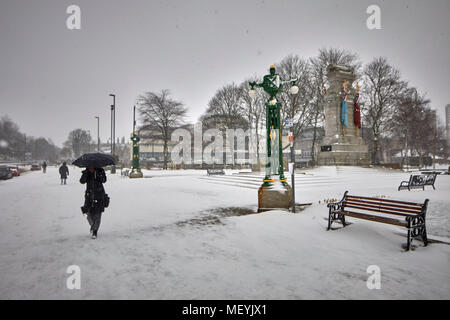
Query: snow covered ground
<point>183,235</point>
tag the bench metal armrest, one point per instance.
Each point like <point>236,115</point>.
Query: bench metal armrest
<point>334,205</point>
<point>337,205</point>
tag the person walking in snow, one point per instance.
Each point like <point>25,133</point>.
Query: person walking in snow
<point>44,167</point>
<point>64,172</point>
<point>96,200</point>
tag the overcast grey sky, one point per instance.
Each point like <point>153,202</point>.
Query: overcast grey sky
<point>54,80</point>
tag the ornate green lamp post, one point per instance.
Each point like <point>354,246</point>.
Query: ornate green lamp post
<point>272,84</point>
<point>136,169</point>
<point>274,194</point>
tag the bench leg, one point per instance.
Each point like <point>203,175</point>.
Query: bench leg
<point>343,220</point>
<point>332,216</point>
<point>408,243</point>
<point>424,236</point>
<point>416,228</point>
<point>329,221</point>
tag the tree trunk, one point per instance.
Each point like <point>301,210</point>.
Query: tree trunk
<point>376,147</point>
<point>257,143</point>
<point>166,153</point>
<point>420,160</point>
<point>313,156</point>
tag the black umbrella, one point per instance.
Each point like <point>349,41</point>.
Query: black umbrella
<point>94,160</point>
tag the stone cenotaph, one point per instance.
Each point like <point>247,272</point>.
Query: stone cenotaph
<point>342,144</point>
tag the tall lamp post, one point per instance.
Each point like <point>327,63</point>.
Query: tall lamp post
<point>98,133</point>
<point>136,169</point>
<point>113,130</point>
<point>270,195</point>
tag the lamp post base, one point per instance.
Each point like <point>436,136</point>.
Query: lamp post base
<point>136,174</point>
<point>278,195</point>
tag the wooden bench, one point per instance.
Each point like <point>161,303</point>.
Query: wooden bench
<point>214,171</point>
<point>418,181</point>
<point>387,211</point>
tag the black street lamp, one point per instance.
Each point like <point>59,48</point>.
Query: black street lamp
<point>113,124</point>
<point>113,129</point>
<point>136,170</point>
<point>98,133</point>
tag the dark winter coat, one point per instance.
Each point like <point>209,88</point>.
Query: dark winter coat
<point>64,171</point>
<point>94,197</point>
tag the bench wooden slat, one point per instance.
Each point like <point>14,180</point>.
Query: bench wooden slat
<point>374,218</point>
<point>380,211</point>
<point>381,207</point>
<point>386,204</point>
<point>387,200</point>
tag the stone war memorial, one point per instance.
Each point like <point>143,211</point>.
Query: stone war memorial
<point>342,143</point>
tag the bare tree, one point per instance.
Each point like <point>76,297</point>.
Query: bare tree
<point>14,144</point>
<point>162,114</point>
<point>10,138</point>
<point>78,142</point>
<point>254,110</point>
<point>295,107</point>
<point>424,136</point>
<point>441,146</point>
<point>406,119</point>
<point>44,149</point>
<point>381,89</point>
<point>226,111</point>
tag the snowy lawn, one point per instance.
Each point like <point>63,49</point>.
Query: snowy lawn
<point>183,235</point>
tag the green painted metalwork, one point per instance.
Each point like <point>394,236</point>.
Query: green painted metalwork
<point>135,138</point>
<point>136,165</point>
<point>272,84</point>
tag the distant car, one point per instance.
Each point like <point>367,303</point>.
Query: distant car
<point>15,170</point>
<point>35,167</point>
<point>5,173</point>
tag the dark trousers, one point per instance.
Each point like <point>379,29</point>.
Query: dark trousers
<point>94,218</point>
<point>63,180</point>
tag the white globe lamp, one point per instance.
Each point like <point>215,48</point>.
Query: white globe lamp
<point>293,89</point>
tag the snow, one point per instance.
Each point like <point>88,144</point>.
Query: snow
<point>184,235</point>
<point>277,186</point>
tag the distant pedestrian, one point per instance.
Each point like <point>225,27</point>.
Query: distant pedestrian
<point>96,200</point>
<point>44,167</point>
<point>64,172</point>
